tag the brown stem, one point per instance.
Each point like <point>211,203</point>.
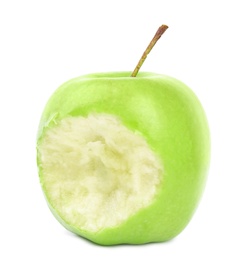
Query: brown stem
<point>157,36</point>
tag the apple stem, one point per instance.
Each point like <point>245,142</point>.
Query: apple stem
<point>157,36</point>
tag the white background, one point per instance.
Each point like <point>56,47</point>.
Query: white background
<point>44,43</point>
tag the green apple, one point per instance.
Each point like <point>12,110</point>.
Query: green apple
<point>123,159</point>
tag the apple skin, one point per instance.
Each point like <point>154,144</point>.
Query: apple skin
<point>170,117</point>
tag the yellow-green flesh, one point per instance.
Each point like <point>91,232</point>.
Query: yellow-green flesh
<point>97,172</point>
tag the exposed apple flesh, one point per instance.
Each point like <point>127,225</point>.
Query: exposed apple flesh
<point>97,172</point>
